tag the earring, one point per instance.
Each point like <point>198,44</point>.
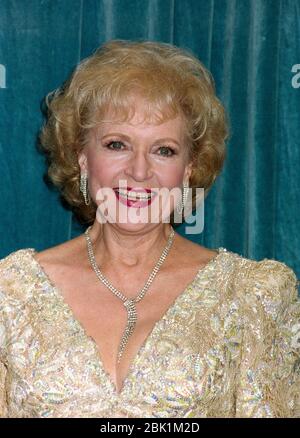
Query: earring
<point>180,205</point>
<point>83,188</point>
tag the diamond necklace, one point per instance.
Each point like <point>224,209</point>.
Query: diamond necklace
<point>129,303</point>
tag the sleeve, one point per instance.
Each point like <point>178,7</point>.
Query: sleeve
<point>3,403</point>
<point>3,369</point>
<point>269,372</point>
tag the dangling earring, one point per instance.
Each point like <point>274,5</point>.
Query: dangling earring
<point>83,188</point>
<point>181,204</point>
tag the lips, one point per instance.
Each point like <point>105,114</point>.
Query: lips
<point>133,197</point>
<point>136,190</point>
<point>139,190</point>
<point>135,194</point>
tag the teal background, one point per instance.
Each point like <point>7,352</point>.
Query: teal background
<point>250,46</point>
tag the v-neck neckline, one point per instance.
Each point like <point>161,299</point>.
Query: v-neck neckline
<point>57,293</point>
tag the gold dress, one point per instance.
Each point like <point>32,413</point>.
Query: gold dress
<point>227,347</point>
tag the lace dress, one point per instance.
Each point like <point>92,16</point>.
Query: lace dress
<point>228,346</point>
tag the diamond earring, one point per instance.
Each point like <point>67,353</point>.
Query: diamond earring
<point>84,189</point>
<point>181,204</point>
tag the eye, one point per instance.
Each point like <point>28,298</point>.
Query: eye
<point>114,145</point>
<point>167,151</point>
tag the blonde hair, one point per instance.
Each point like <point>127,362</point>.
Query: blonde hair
<point>171,80</point>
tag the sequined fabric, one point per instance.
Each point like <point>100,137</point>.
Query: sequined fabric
<point>227,347</point>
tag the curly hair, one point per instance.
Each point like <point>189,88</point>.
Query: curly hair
<point>170,79</point>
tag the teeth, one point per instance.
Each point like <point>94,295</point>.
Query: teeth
<point>122,192</point>
<point>133,196</point>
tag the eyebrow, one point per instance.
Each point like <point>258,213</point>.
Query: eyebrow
<point>127,138</point>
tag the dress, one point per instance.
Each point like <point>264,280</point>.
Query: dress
<point>228,346</point>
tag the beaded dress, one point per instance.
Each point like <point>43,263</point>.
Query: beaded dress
<point>228,346</point>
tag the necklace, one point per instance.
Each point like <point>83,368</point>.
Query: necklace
<point>129,303</point>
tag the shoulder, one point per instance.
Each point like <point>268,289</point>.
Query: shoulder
<point>274,274</point>
<point>268,285</point>
<point>70,252</point>
<point>14,264</point>
<point>257,277</point>
<point>19,269</point>
<point>276,278</point>
<point>9,261</point>
<point>15,274</point>
<point>190,253</point>
<point>266,273</point>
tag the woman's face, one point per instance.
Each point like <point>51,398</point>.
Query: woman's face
<point>135,156</point>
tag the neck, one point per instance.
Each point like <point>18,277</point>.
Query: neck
<point>120,250</point>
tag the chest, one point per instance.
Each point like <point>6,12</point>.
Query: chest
<point>104,318</point>
<point>179,369</point>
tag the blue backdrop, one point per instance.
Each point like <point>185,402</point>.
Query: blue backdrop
<point>252,49</point>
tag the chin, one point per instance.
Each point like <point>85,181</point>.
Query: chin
<point>133,227</point>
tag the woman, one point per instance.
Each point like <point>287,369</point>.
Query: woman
<point>130,319</point>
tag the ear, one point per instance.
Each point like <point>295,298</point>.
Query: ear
<point>188,172</point>
<point>82,161</point>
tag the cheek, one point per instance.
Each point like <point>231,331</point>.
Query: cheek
<point>102,171</point>
<point>171,176</point>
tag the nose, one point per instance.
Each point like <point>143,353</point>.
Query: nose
<point>139,167</point>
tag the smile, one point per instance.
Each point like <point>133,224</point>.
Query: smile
<point>132,198</point>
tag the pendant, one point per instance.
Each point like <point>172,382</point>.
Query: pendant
<point>131,322</point>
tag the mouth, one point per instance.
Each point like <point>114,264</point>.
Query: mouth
<point>135,197</point>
